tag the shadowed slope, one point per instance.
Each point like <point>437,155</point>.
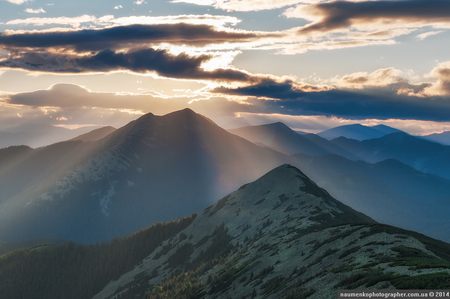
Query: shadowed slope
<point>156,168</point>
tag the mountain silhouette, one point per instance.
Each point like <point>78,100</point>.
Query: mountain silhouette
<point>358,132</point>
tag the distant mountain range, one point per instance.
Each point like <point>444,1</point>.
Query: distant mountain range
<point>280,137</point>
<point>423,155</point>
<point>37,135</point>
<point>442,138</point>
<point>358,132</point>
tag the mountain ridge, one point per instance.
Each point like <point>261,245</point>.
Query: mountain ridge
<point>280,137</point>
<point>357,132</point>
<point>423,155</point>
<point>280,236</point>
<point>95,135</point>
<point>442,138</point>
<point>117,183</point>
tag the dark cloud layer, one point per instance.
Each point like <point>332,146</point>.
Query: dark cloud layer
<point>343,14</point>
<point>267,88</point>
<point>123,36</point>
<point>123,48</point>
<point>377,103</point>
<point>162,62</point>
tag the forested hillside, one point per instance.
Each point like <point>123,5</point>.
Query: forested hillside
<point>75,270</point>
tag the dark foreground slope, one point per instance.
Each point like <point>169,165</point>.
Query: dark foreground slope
<point>283,237</point>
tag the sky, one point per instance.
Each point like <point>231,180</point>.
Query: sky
<point>312,64</point>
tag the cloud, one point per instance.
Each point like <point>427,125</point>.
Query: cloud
<point>212,20</point>
<point>388,78</point>
<point>76,104</point>
<point>118,7</point>
<point>427,34</point>
<point>380,77</point>
<point>18,2</point>
<point>73,104</point>
<point>15,115</point>
<point>267,89</point>
<point>303,47</point>
<point>383,96</point>
<point>442,74</point>
<point>125,37</point>
<point>372,15</point>
<point>139,2</point>
<point>69,96</point>
<point>161,62</point>
<point>108,20</point>
<point>72,95</point>
<point>246,5</point>
<point>35,11</point>
<point>345,24</point>
<point>211,30</point>
<point>72,21</point>
<point>127,48</point>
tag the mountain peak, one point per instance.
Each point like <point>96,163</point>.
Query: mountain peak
<point>284,192</point>
<point>96,134</point>
<point>273,224</point>
<point>188,115</point>
<point>276,126</point>
<point>357,132</point>
<point>185,111</point>
<point>279,124</point>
